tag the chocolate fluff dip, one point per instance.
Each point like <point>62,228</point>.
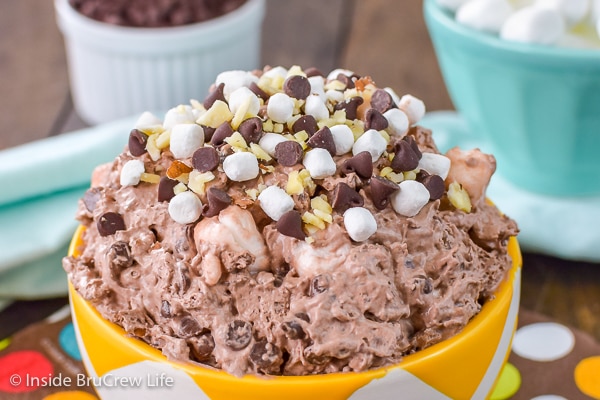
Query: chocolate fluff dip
<point>290,223</point>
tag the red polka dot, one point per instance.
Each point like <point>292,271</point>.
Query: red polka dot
<point>23,371</point>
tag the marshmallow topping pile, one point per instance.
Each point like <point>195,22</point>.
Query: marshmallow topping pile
<point>569,23</point>
<point>313,125</point>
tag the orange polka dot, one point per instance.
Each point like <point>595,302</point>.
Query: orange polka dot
<point>587,376</point>
<point>71,395</point>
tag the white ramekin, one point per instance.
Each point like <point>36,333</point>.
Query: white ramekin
<point>118,71</point>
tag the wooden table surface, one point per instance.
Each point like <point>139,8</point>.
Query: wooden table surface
<point>386,39</point>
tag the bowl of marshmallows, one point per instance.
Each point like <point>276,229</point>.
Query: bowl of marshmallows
<point>525,76</point>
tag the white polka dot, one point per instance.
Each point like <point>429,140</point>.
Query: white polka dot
<point>549,397</point>
<point>546,341</point>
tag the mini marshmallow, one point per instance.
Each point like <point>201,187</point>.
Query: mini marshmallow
<point>241,95</point>
<point>534,25</point>
<point>435,164</point>
<point>335,96</point>
<point>240,167</point>
<point>451,5</point>
<point>185,208</point>
<point>276,72</point>
<point>411,197</point>
<point>146,120</point>
<point>484,15</point>
<point>280,107</point>
<point>269,141</point>
<point>319,163</point>
<point>316,107</point>
<point>334,74</point>
<point>359,223</point>
<point>182,114</point>
<point>234,80</point>
<point>393,93</point>
<point>275,202</point>
<point>317,85</point>
<point>132,172</point>
<point>398,123</point>
<point>370,141</point>
<point>574,11</point>
<point>413,107</point>
<point>343,139</point>
<point>186,139</point>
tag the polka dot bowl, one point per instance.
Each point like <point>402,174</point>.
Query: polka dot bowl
<point>538,107</point>
<point>465,366</point>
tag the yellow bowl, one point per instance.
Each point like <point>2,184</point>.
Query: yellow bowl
<point>465,366</point>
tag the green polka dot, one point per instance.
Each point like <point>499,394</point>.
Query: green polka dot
<point>4,343</point>
<point>508,383</point>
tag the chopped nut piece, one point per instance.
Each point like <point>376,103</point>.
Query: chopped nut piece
<point>152,148</point>
<point>197,181</point>
<point>163,140</point>
<point>294,184</point>
<point>237,142</point>
<point>216,115</point>
<point>311,219</point>
<point>259,152</point>
<point>179,188</point>
<point>459,197</point>
<point>149,178</point>
<point>177,168</point>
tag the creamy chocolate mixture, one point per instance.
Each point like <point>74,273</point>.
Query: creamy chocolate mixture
<point>215,237</point>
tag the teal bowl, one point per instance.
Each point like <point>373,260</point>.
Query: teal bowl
<point>538,107</point>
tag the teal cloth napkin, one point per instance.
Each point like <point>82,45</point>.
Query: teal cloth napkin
<point>40,184</point>
<point>565,227</point>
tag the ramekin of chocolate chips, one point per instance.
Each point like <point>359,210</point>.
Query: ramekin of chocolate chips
<point>125,57</point>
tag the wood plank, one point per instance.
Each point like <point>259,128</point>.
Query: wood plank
<point>305,32</point>
<point>33,75</point>
<point>389,41</point>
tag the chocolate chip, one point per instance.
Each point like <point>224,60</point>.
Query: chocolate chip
<point>435,186</point>
<point>208,132</point>
<point>239,334</point>
<point>375,120</point>
<point>188,327</point>
<point>405,158</point>
<point>350,106</point>
<point>413,145</point>
<point>109,223</point>
<point>361,164</point>
<point>218,200</point>
<point>258,91</point>
<point>346,80</point>
<point>202,346</point>
<point>381,190</point>
<point>313,71</point>
<point>165,188</point>
<point>205,159</point>
<point>165,309</point>
<point>288,153</point>
<point>323,139</point>
<point>216,94</point>
<point>91,197</point>
<point>293,330</point>
<point>222,132</point>
<point>297,86</point>
<point>119,256</point>
<point>290,224</point>
<point>181,279</point>
<point>137,142</point>
<point>265,355</point>
<point>319,284</point>
<point>344,197</point>
<point>382,101</point>
<point>251,129</point>
<point>306,123</point>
